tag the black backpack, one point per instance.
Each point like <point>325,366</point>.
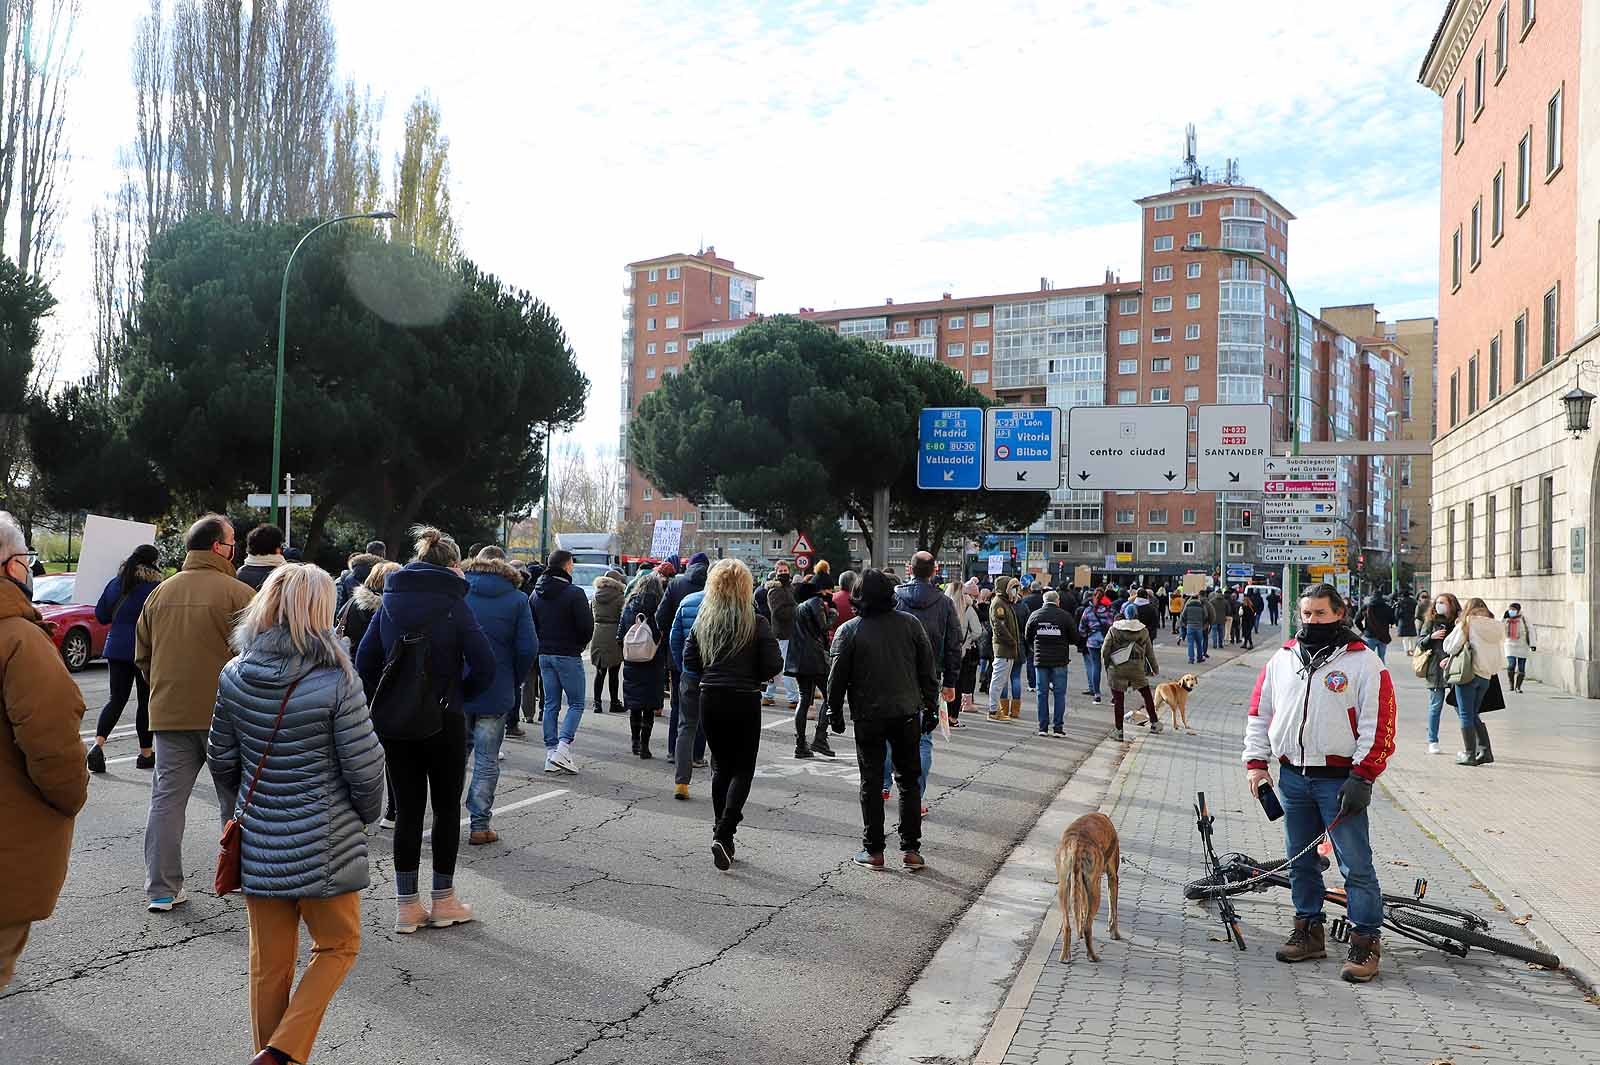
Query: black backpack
<point>405,706</point>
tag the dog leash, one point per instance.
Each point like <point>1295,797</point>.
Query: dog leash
<point>1234,885</point>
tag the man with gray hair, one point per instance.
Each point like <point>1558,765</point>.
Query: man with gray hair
<point>1052,635</point>
<point>181,644</point>
<point>43,779</point>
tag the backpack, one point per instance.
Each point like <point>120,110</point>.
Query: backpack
<point>405,706</point>
<point>639,645</point>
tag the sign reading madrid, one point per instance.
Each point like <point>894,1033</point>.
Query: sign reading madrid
<point>949,442</point>
<point>1023,449</point>
<point>1128,448</point>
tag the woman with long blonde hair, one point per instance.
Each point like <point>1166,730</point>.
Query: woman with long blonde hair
<point>292,739</point>
<point>733,652</point>
<point>1472,675</point>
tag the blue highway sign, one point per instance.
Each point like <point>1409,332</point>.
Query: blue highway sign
<point>949,445</point>
<point>1022,450</point>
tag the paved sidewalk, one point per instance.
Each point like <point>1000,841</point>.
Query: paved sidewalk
<point>1170,992</point>
<point>1524,825</point>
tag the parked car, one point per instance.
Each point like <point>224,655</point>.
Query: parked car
<point>79,636</point>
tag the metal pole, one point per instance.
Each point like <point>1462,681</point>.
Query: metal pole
<point>1394,517</point>
<point>880,527</point>
<point>544,522</point>
<point>1222,545</point>
<point>288,507</point>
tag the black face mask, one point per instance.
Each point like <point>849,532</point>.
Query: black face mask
<point>1322,634</point>
<point>785,578</point>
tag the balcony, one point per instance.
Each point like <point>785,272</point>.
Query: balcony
<point>1251,211</point>
<point>1254,275</point>
<point>1243,241</point>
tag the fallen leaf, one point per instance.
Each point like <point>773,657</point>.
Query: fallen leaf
<point>1495,831</point>
<point>1473,1046</point>
<point>1220,939</point>
<point>1593,1000</point>
<point>1479,886</point>
<point>1524,919</point>
<point>1443,1061</point>
<point>1401,861</point>
<point>1500,906</point>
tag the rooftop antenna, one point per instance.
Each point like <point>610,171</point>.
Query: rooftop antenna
<point>1189,174</point>
<point>1232,177</point>
<point>1189,154</point>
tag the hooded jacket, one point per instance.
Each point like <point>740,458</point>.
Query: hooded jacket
<point>1005,631</point>
<point>1052,635</point>
<point>43,780</point>
<point>642,682</point>
<point>780,603</point>
<point>605,649</point>
<point>181,640</point>
<point>358,613</point>
<point>351,579</point>
<point>682,622</point>
<point>121,612</point>
<point>561,614</point>
<point>420,597</point>
<point>692,579</point>
<point>1141,664</point>
<point>1195,615</point>
<point>1376,618</point>
<point>924,601</point>
<point>1093,624</point>
<point>322,781</point>
<point>1333,708</point>
<point>883,664</point>
<point>507,622</point>
<point>808,644</point>
<point>1216,608</point>
<point>1519,636</point>
<point>1149,614</point>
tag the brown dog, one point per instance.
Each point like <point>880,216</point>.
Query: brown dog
<point>1175,694</point>
<point>1089,849</point>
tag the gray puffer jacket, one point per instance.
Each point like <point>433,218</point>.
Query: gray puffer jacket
<point>323,780</point>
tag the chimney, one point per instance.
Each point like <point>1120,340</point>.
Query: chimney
<point>947,295</point>
<point>889,302</point>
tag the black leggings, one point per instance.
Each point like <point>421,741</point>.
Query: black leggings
<point>600,676</point>
<point>1149,706</point>
<point>808,685</point>
<point>124,677</point>
<point>438,765</point>
<point>732,721</point>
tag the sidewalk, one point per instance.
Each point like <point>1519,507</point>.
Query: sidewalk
<point>1525,826</point>
<point>1170,992</point>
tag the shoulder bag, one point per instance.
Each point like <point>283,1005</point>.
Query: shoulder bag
<point>229,864</point>
<point>1422,660</point>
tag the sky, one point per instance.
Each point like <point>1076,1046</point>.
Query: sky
<point>852,152</point>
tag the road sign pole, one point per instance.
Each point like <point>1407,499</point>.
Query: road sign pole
<point>1222,544</point>
<point>880,527</point>
<point>288,506</point>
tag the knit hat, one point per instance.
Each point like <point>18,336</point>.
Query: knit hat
<point>874,593</point>
<point>971,587</point>
<point>667,569</point>
<point>1130,611</point>
<point>700,559</point>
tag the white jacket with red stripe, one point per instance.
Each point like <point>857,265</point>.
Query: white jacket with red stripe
<point>1337,709</point>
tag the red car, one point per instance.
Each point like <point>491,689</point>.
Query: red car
<point>79,636</point>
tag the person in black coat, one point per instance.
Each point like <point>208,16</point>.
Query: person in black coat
<point>643,682</point>
<point>565,625</point>
<point>807,663</point>
<point>692,579</point>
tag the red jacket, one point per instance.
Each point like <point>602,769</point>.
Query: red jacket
<point>843,610</point>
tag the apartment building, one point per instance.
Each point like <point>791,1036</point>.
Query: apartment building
<point>1519,304</point>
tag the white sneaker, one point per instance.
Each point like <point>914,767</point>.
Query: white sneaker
<point>165,905</point>
<point>562,757</point>
<point>1433,748</point>
<point>550,765</point>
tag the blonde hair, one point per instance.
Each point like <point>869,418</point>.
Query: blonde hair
<point>298,599</point>
<point>1476,608</point>
<point>434,547</point>
<point>378,574</point>
<point>958,595</point>
<point>727,618</point>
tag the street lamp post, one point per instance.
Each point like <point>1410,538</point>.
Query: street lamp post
<point>283,321</point>
<point>1292,591</point>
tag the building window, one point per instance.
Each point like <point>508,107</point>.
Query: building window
<point>980,377</point>
<point>1527,16</point>
<point>1089,547</point>
<point>1405,471</point>
<point>1161,336</point>
<point>1494,366</point>
<point>651,277</point>
<point>1472,383</point>
<point>1188,547</point>
<point>672,321</point>
<point>1124,517</point>
<point>674,297</point>
<point>672,347</point>
<point>980,347</point>
<point>650,348</point>
<point>1163,213</point>
<point>1162,243</point>
<point>1127,365</point>
<point>956,322</point>
<point>1188,515</point>
<point>1155,547</point>
<point>1127,336</point>
<point>1235,548</point>
<point>1192,301</point>
<point>1194,239</point>
<point>1158,516</point>
<point>1455,259</point>
<point>1479,65</point>
<point>1450,540</point>
<point>691,343</point>
<point>653,298</point>
<point>1191,393</point>
<point>1477,233</point>
<point>1159,304</point>
<point>1191,332</point>
<point>1524,170</point>
<point>1502,38</point>
<point>1194,426</point>
<point>674,272</point>
<point>1514,556</point>
<point>1497,206</point>
<point>1192,270</point>
<point>927,327</point>
<point>1124,547</point>
<point>1161,365</point>
<point>1547,524</point>
<point>1161,273</point>
<point>1160,395</point>
<point>648,494</point>
<point>1466,540</point>
<point>1127,397</point>
<point>1552,326</point>
<point>649,323</point>
<point>1128,305</point>
<point>650,373</point>
<point>1488,539</point>
<point>955,351</point>
<point>1191,362</point>
<point>1519,349</point>
<point>1461,115</point>
<point>1197,209</point>
<point>980,320</point>
<point>902,329</point>
<point>1455,396</point>
<point>1552,136</point>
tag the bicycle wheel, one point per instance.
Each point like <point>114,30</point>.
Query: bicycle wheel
<point>1446,930</point>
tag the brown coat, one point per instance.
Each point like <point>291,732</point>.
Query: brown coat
<point>181,642</point>
<point>43,779</point>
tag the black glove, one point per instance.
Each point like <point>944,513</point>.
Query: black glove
<point>836,721</point>
<point>1355,796</point>
<point>930,720</point>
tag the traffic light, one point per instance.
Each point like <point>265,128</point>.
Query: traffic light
<point>1013,552</point>
<point>1247,519</point>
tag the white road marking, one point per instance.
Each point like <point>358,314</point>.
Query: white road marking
<point>508,807</point>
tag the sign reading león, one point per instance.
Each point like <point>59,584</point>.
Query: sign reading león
<point>1128,448</point>
<point>1233,442</point>
<point>1022,449</point>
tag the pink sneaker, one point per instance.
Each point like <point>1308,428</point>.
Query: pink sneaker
<point>410,914</point>
<point>449,910</point>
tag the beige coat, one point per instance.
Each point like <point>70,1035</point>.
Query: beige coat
<point>43,779</point>
<point>181,641</point>
<point>1488,644</point>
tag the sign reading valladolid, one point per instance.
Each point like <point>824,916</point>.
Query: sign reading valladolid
<point>1022,449</point>
<point>949,442</point>
<point>1128,448</point>
<point>1233,443</point>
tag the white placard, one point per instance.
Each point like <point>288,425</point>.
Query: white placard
<point>1234,440</point>
<point>107,543</point>
<point>1128,448</point>
<point>997,565</point>
<point>665,537</point>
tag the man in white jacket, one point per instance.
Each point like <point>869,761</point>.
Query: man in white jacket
<point>1324,710</point>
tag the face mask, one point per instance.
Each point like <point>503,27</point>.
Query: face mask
<point>26,586</point>
<point>1441,607</point>
<point>1513,613</point>
<point>1321,634</point>
<point>784,578</point>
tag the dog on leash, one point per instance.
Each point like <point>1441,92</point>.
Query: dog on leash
<point>1175,694</point>
<point>1089,849</point>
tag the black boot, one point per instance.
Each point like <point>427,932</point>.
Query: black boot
<point>1469,747</point>
<point>633,726</point>
<point>1511,679</point>
<point>1522,677</point>
<point>647,721</point>
<point>819,741</point>
<point>1485,753</point>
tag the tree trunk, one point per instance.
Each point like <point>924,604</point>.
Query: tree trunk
<point>319,519</point>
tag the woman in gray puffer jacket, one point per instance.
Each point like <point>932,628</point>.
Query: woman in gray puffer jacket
<point>318,779</point>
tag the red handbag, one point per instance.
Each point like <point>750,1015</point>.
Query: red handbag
<point>229,859</point>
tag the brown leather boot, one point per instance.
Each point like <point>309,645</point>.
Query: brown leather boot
<point>1361,964</point>
<point>1305,942</point>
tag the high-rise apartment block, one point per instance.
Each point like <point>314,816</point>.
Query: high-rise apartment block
<point>1514,487</point>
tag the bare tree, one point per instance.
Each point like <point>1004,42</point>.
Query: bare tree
<point>154,144</point>
<point>422,184</point>
<point>297,108</point>
<point>354,178</point>
<point>117,252</point>
<point>45,57</point>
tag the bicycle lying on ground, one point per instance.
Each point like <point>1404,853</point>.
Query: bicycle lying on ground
<point>1441,927</point>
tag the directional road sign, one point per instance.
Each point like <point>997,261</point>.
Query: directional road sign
<point>1302,467</point>
<point>1283,508</point>
<point>949,448</point>
<point>1233,444</point>
<point>1022,449</point>
<point>263,500</point>
<point>1240,571</point>
<point>1128,448</point>
<point>1295,554</point>
<point>1298,531</point>
<point>1327,488</point>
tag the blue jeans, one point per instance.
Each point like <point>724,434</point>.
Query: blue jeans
<point>1309,805</point>
<point>1091,667</point>
<point>1052,679</point>
<point>562,673</point>
<point>925,752</point>
<point>1516,665</point>
<point>1197,643</point>
<point>1205,640</point>
<point>1216,634</point>
<point>1016,678</point>
<point>1381,648</point>
<point>1468,698</point>
<point>485,733</point>
<point>1435,708</point>
<point>782,680</point>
